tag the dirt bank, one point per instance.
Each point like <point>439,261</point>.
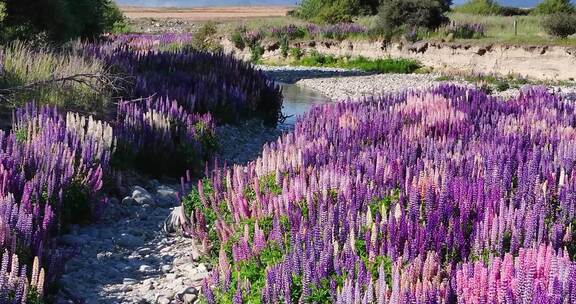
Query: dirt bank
<point>537,62</point>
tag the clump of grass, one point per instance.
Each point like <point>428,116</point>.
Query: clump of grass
<point>387,65</point>
<point>31,74</point>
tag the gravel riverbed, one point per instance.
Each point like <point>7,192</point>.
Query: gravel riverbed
<point>126,257</point>
<point>342,84</point>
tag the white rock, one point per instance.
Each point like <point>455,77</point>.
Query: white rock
<point>145,268</point>
<point>163,300</point>
<point>189,298</point>
<point>202,268</point>
<point>142,196</point>
<point>129,281</point>
<point>166,268</point>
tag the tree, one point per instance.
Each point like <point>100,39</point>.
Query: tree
<point>59,20</point>
<point>480,7</point>
<point>548,7</point>
<point>412,14</point>
<point>560,25</point>
<point>334,11</point>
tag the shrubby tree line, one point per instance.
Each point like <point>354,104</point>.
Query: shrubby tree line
<point>58,20</point>
<point>410,16</point>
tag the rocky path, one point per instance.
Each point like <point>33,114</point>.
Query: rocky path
<point>126,257</point>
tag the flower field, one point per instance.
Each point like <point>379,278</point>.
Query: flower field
<point>51,168</point>
<point>201,82</point>
<point>53,163</point>
<point>440,196</point>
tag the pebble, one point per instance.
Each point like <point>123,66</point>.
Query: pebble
<point>166,268</point>
<point>189,298</point>
<point>129,281</point>
<point>145,268</point>
<point>118,264</point>
<point>142,196</point>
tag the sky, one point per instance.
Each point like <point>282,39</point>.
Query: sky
<point>193,3</point>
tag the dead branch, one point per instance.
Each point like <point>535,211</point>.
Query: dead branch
<point>97,82</point>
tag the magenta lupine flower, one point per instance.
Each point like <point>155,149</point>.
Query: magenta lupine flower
<point>445,193</point>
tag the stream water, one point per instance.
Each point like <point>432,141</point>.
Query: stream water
<point>298,101</point>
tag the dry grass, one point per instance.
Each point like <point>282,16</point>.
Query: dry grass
<point>39,74</point>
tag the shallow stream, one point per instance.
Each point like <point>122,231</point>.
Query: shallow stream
<point>297,102</point>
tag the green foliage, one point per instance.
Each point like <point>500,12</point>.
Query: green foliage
<point>387,65</point>
<point>386,201</point>
<point>77,205</point>
<point>253,271</point>
<point>502,86</point>
<point>548,7</point>
<point>329,11</point>
<point>560,25</point>
<point>320,293</point>
<point>296,53</point>
<point>193,202</point>
<point>238,39</point>
<point>205,39</point>
<point>207,138</point>
<point>479,7</point>
<point>284,47</point>
<point>256,52</point>
<point>268,184</point>
<point>21,135</point>
<point>2,11</point>
<point>60,20</point>
<point>380,261</point>
<point>33,297</point>
<point>408,15</point>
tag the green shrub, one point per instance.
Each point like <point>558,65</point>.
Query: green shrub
<point>256,52</point>
<point>284,47</point>
<point>60,20</point>
<point>387,65</point>
<point>410,15</point>
<point>548,7</point>
<point>331,11</point>
<point>560,24</point>
<point>479,7</point>
<point>237,39</point>
<point>296,53</point>
<point>338,12</point>
<point>2,11</point>
<point>205,39</point>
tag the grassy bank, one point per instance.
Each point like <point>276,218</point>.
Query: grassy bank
<point>500,29</point>
<point>377,66</point>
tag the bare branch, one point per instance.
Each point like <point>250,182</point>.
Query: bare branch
<point>96,82</point>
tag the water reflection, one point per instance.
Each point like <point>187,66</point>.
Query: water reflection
<point>298,101</point>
